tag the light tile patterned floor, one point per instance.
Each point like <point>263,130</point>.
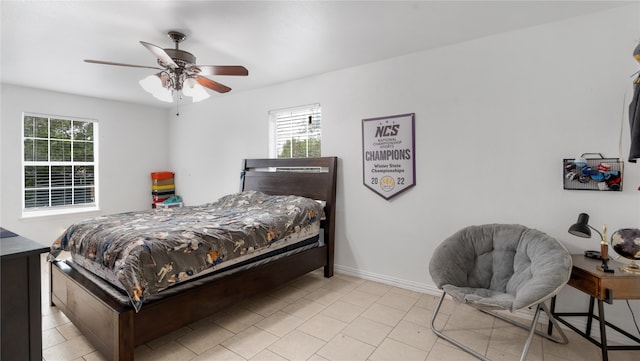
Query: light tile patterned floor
<point>319,319</point>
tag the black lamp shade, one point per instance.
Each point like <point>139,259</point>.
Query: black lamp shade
<point>581,228</point>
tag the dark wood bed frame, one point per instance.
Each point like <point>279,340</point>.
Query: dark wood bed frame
<point>116,329</point>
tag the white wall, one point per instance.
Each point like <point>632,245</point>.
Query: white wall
<point>494,119</point>
<point>132,143</point>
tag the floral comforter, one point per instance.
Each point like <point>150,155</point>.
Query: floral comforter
<point>146,251</point>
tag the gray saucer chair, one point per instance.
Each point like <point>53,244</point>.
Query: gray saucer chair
<point>501,267</point>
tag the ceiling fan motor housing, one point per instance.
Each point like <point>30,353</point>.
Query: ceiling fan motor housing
<point>181,57</point>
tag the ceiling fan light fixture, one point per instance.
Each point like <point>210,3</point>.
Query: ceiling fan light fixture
<point>165,78</point>
<point>164,94</point>
<point>188,86</point>
<point>198,93</point>
<point>158,85</point>
<point>151,84</point>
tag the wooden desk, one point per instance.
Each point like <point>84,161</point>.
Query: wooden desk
<point>20,297</point>
<point>604,287</point>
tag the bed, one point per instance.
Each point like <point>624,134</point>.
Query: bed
<point>115,327</point>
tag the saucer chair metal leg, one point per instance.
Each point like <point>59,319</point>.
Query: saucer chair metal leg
<point>448,338</point>
<point>543,307</point>
<point>532,330</point>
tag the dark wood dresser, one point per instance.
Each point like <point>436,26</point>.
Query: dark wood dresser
<point>20,291</point>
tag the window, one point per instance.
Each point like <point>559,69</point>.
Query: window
<point>295,132</point>
<point>60,165</point>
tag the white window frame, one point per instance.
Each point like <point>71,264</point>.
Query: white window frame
<point>64,209</point>
<point>294,114</point>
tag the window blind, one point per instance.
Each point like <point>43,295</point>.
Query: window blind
<point>297,131</point>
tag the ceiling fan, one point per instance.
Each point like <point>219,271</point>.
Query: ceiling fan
<point>179,73</point>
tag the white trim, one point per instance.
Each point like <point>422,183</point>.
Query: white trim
<point>57,211</point>
<point>392,281</point>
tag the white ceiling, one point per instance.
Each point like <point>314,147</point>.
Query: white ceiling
<point>44,42</point>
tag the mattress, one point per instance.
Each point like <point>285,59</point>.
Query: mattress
<point>121,296</point>
<point>146,252</point>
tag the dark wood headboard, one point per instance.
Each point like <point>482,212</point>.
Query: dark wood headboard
<point>306,177</point>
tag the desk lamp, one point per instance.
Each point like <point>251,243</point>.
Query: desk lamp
<point>583,229</point>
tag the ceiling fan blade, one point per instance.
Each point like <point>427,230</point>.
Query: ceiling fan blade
<point>221,70</point>
<point>160,54</point>
<point>208,83</point>
<point>121,64</point>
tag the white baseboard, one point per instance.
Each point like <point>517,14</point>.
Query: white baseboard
<point>431,289</point>
<point>387,280</point>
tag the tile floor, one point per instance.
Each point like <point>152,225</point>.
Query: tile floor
<point>341,318</point>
